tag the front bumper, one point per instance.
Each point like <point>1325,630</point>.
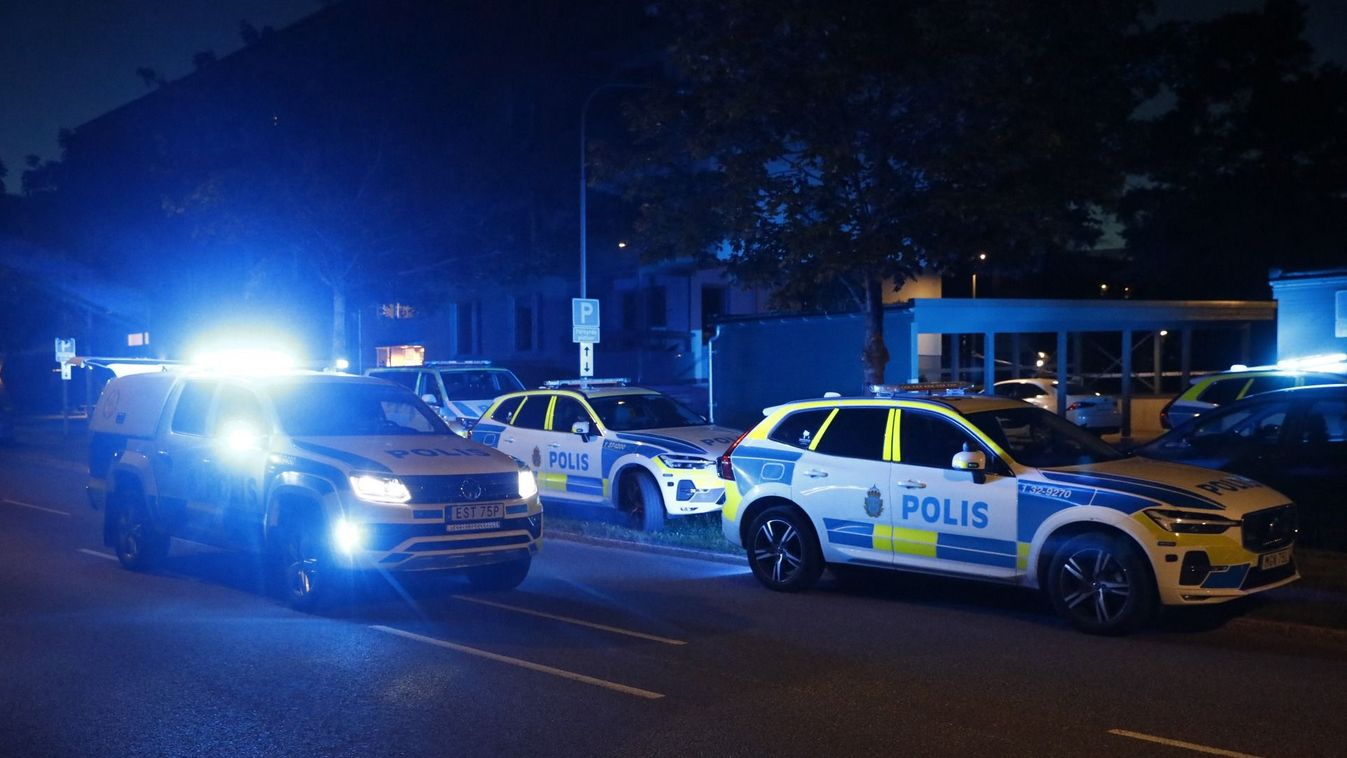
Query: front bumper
<point>1196,569</point>
<point>428,542</point>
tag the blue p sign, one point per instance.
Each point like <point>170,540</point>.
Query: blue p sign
<point>584,312</point>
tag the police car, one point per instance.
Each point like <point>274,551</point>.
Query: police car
<point>322,472</point>
<point>1000,490</point>
<point>458,390</point>
<point>602,442</point>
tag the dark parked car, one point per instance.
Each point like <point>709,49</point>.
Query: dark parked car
<point>1293,440</point>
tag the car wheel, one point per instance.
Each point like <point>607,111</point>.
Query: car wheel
<point>1100,584</point>
<point>500,576</point>
<point>639,497</point>
<point>139,543</point>
<point>308,575</point>
<point>782,550</point>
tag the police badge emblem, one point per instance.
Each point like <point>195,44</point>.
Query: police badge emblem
<point>537,458</point>
<point>874,502</point>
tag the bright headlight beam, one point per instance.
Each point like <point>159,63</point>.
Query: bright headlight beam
<point>380,489</point>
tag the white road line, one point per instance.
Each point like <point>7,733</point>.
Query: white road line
<point>569,620</point>
<point>626,690</point>
<point>1180,744</point>
<point>34,507</point>
<point>95,553</point>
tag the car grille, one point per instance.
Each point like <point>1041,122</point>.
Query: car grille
<point>388,536</point>
<point>459,488</point>
<point>1270,529</point>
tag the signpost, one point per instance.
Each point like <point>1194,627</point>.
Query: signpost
<point>585,331</point>
<point>65,350</point>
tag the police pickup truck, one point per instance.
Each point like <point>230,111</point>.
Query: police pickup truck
<point>998,490</point>
<point>322,473</point>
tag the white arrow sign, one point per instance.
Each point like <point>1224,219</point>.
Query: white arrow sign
<point>586,359</point>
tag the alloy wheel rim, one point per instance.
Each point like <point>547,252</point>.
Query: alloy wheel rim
<point>130,537</point>
<point>302,570</point>
<point>1095,586</point>
<point>778,550</point>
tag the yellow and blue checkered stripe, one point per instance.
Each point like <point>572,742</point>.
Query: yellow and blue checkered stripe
<point>927,544</point>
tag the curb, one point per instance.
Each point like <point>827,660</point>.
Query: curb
<point>645,547</point>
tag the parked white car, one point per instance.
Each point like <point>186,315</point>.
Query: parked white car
<point>1092,410</point>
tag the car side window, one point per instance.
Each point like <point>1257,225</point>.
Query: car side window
<point>1325,426</point>
<point>799,429</point>
<point>504,412</point>
<point>1007,390</point>
<point>855,433</point>
<point>1262,422</point>
<point>428,384</point>
<point>1269,383</point>
<point>239,406</point>
<point>567,412</point>
<point>926,439</point>
<point>533,414</point>
<point>1031,390</point>
<point>1222,391</point>
<point>190,415</point>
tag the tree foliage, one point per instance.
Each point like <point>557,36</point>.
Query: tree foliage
<point>1247,166</point>
<point>824,147</point>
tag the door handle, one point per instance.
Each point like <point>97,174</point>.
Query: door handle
<point>814,473</point>
<point>164,457</point>
<point>913,485</point>
<point>510,440</point>
<point>554,444</point>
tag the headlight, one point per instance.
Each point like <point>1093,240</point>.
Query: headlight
<point>346,536</point>
<point>674,460</point>
<point>380,489</point>
<point>528,486</point>
<point>1187,522</point>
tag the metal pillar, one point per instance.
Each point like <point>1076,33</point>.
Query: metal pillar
<point>1157,382</point>
<point>988,362</point>
<point>1126,388</point>
<point>1061,374</point>
<point>1185,358</point>
<point>954,352</point>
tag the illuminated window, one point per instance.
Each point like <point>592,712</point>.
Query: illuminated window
<point>400,355</point>
<point>139,339</point>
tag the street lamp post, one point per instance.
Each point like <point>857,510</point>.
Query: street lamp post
<point>584,162</point>
<point>981,257</point>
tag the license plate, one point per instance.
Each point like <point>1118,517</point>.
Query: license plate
<point>476,512</point>
<point>1273,560</point>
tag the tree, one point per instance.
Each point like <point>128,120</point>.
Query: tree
<point>1247,168</point>
<point>816,147</point>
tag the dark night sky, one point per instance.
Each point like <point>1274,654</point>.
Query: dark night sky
<point>64,62</point>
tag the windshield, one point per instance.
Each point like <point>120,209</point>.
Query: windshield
<point>624,413</point>
<point>478,384</point>
<point>1035,437</point>
<point>352,409</point>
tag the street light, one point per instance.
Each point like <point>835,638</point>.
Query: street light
<point>584,161</point>
<point>981,257</point>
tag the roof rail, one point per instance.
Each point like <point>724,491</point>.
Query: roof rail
<point>457,363</point>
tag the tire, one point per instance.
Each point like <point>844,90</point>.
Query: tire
<point>1101,585</point>
<point>638,496</point>
<point>140,545</point>
<point>309,578</point>
<point>500,576</point>
<point>782,550</point>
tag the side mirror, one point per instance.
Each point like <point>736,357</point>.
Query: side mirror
<point>581,428</point>
<point>430,399</point>
<point>969,460</point>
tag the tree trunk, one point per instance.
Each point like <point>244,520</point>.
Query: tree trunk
<point>338,323</point>
<point>874,355</point>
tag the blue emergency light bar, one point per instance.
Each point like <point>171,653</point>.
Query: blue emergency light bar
<point>918,388</point>
<point>586,383</point>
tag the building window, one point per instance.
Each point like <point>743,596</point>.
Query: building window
<point>656,307</point>
<point>524,325</point>
<point>400,355</point>
<point>466,329</point>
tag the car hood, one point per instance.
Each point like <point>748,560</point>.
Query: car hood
<point>408,455</point>
<point>1131,484</point>
<point>709,440</point>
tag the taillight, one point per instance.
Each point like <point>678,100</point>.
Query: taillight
<point>723,466</point>
<point>1075,406</point>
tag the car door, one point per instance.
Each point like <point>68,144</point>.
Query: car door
<point>573,463</point>
<point>1314,470</point>
<point>842,482</point>
<point>522,436</point>
<point>181,485</point>
<point>236,465</point>
<point>947,518</point>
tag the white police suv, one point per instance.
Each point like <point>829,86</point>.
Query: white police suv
<point>601,442</point>
<point>999,490</point>
<point>458,390</point>
<point>322,472</point>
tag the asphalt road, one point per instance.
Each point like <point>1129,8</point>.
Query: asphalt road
<point>605,652</point>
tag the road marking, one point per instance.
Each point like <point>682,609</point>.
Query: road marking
<point>1180,744</point>
<point>569,620</point>
<point>564,674</point>
<point>34,507</point>
<point>95,553</point>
